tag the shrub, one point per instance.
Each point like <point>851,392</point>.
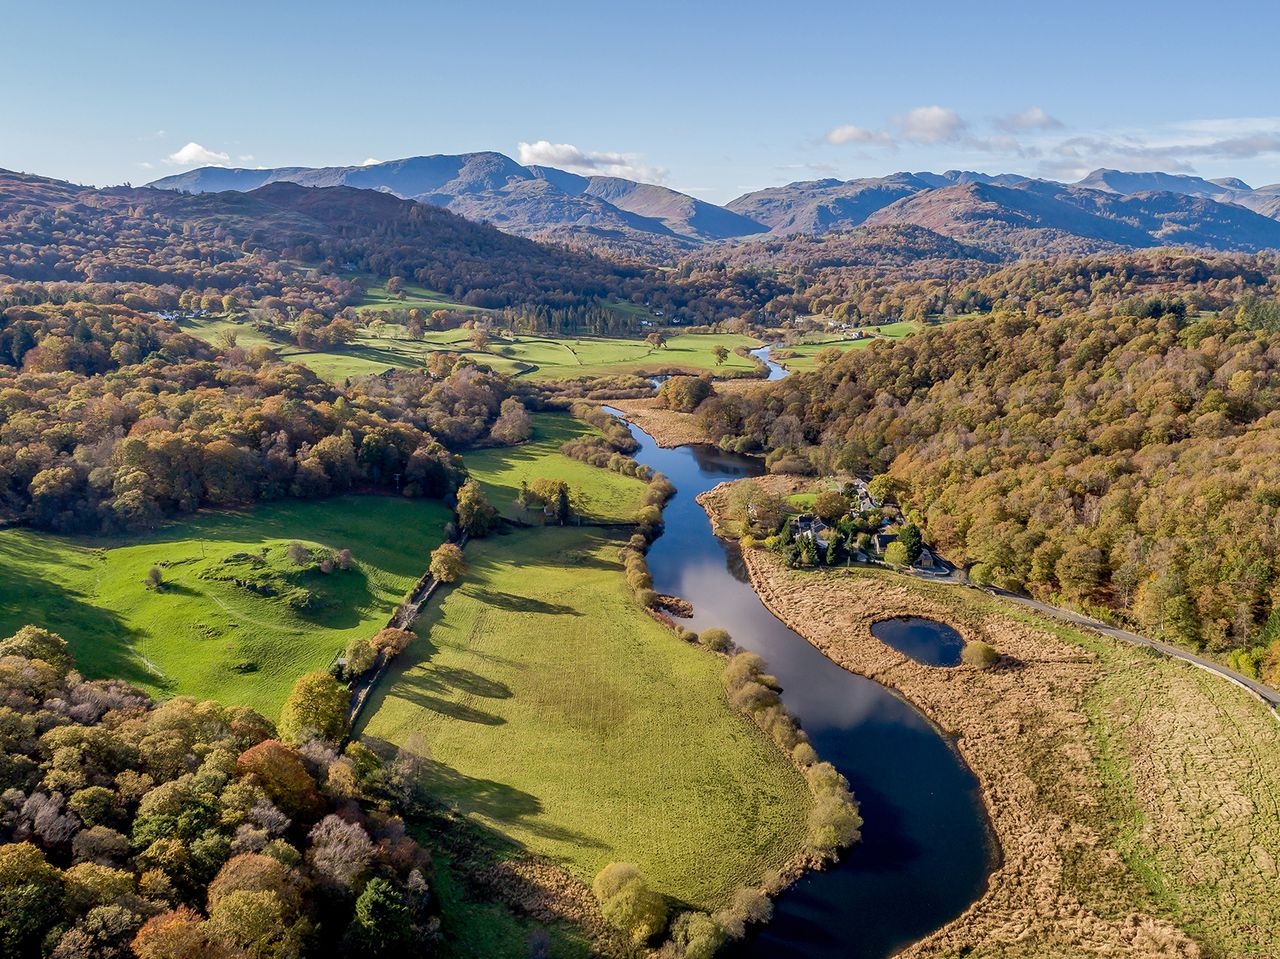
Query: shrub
<point>716,639</point>
<point>155,578</point>
<point>978,654</point>
<point>696,935</point>
<point>628,904</point>
<point>343,559</point>
<point>298,554</point>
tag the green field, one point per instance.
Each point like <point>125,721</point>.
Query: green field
<point>203,634</point>
<point>603,495</point>
<point>415,297</point>
<point>561,715</point>
<point>537,357</point>
<point>804,354</point>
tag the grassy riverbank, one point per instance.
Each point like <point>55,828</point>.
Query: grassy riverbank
<point>235,619</point>
<point>559,714</point>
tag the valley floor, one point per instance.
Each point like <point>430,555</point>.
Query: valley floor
<point>561,715</point>
<point>1134,797</point>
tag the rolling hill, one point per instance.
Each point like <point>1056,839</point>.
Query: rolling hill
<point>1005,214</point>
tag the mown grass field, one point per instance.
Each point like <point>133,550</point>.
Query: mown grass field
<point>537,357</point>
<point>203,634</point>
<point>602,495</point>
<point>560,715</point>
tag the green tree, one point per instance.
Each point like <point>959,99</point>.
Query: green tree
<point>721,354</point>
<point>895,554</point>
<point>909,536</point>
<point>476,516</point>
<point>317,707</point>
<point>30,899</point>
<point>382,925</point>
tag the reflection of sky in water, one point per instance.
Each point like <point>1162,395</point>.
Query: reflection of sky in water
<point>923,855</point>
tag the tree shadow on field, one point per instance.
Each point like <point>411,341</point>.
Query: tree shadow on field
<point>497,801</point>
<point>99,639</point>
<point>523,604</point>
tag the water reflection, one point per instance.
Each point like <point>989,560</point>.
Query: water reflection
<point>925,852</point>
<point>924,640</point>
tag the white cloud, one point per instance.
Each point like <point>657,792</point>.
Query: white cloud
<point>855,134</point>
<point>923,125</point>
<point>569,157</point>
<point>1032,118</point>
<point>929,125</point>
<point>193,154</point>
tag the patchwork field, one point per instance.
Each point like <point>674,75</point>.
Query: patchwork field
<point>602,495</point>
<point>560,715</point>
<point>236,619</point>
<point>537,357</point>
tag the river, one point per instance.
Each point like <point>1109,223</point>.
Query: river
<point>926,849</point>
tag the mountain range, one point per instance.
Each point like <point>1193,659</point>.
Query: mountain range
<point>1006,214</point>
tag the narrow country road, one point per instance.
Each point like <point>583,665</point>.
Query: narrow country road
<point>1268,695</point>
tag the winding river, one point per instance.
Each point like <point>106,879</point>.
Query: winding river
<point>926,850</point>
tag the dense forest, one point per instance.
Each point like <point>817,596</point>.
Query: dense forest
<point>880,274</point>
<point>1123,457</point>
<point>187,829</point>
<point>294,244</point>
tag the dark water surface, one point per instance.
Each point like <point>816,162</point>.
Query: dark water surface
<point>924,640</point>
<point>925,852</point>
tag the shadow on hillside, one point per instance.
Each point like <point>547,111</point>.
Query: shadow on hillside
<point>99,639</point>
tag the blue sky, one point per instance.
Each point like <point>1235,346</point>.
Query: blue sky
<point>712,98</point>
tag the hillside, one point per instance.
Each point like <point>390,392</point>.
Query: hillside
<point>493,187</point>
<point>51,230</point>
<point>1004,214</point>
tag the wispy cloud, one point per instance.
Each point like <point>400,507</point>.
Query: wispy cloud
<point>569,157</point>
<point>193,154</point>
<point>855,134</point>
<point>1032,118</point>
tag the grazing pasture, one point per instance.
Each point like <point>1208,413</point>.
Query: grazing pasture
<point>378,349</point>
<point>235,616</point>
<point>561,715</point>
<point>599,494</point>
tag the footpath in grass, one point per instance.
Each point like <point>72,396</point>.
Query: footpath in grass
<point>236,619</point>
<point>559,714</point>
<point>602,495</point>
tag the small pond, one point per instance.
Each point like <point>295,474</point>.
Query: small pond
<point>924,640</point>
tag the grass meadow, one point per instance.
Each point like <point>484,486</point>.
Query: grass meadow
<point>533,356</point>
<point>559,714</point>
<point>602,495</point>
<point>236,619</point>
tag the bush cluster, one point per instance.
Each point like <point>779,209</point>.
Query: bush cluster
<point>159,831</point>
